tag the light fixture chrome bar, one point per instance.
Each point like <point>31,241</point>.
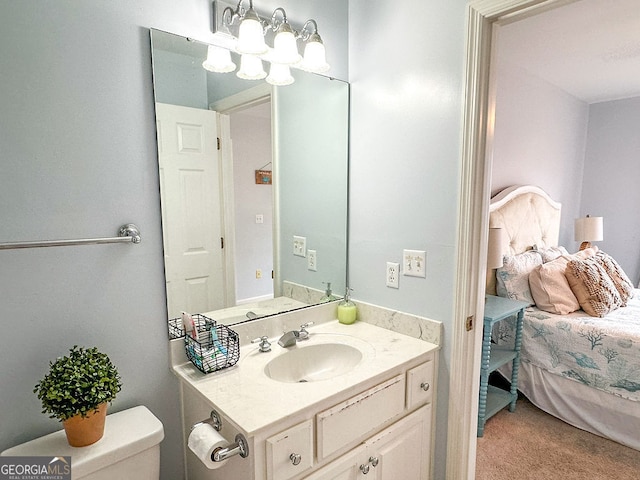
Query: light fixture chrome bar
<point>128,233</point>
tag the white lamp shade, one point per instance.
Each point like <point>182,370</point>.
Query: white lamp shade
<point>251,36</point>
<point>218,60</point>
<point>279,74</point>
<point>285,48</point>
<point>314,57</point>
<point>589,229</point>
<point>496,244</point>
<point>251,68</point>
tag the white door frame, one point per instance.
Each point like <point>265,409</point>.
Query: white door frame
<point>473,221</point>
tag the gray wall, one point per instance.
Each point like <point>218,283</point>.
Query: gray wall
<point>540,137</point>
<point>78,155</point>
<point>251,137</point>
<point>583,155</point>
<point>611,174</point>
<point>406,68</point>
<point>311,145</point>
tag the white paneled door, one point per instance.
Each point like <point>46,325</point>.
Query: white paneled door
<point>191,208</point>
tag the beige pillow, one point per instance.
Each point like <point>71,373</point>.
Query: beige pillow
<point>550,288</point>
<point>615,272</point>
<point>595,291</point>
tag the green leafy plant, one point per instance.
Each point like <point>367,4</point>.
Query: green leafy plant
<point>78,383</point>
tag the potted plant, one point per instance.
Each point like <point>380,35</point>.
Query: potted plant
<point>76,391</point>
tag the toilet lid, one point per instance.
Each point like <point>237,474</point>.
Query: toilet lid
<point>126,433</point>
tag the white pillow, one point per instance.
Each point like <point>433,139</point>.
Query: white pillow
<point>549,254</point>
<point>512,279</point>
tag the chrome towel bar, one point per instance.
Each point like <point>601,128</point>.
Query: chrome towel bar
<point>128,233</point>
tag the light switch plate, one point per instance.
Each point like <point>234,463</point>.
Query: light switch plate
<point>300,246</point>
<point>414,263</point>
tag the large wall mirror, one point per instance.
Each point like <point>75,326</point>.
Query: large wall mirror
<point>253,186</point>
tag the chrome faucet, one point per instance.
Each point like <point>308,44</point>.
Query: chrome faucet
<point>290,338</point>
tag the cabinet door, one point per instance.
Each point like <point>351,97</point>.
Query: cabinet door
<point>402,451</point>
<point>346,467</point>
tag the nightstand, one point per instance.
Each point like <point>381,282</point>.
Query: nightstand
<point>493,399</point>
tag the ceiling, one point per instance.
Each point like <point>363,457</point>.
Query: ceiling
<point>589,48</point>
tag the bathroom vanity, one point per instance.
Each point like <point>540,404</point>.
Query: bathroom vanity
<point>349,401</point>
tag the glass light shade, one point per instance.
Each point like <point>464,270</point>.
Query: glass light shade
<point>314,55</point>
<point>279,74</point>
<point>218,60</point>
<point>285,47</point>
<point>251,35</point>
<point>251,68</point>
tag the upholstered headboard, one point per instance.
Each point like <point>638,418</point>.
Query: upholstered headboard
<point>528,217</point>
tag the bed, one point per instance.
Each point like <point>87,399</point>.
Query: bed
<point>580,368</point>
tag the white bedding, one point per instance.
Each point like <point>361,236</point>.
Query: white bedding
<point>602,353</point>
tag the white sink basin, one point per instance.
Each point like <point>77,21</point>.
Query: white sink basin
<point>313,363</point>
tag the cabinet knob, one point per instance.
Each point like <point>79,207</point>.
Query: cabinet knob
<point>295,458</point>
<point>373,461</point>
<point>425,386</point>
<point>364,468</point>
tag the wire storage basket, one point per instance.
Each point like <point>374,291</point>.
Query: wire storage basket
<point>210,347</point>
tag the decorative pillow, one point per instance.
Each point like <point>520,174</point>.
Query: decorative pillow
<point>550,288</point>
<point>615,272</point>
<point>549,254</point>
<point>595,291</point>
<point>512,279</point>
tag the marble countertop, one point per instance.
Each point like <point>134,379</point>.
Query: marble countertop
<point>253,401</point>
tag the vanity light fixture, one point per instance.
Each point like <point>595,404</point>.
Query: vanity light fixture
<point>246,33</point>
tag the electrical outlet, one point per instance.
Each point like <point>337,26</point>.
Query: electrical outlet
<point>312,260</point>
<point>414,263</point>
<point>393,271</point>
<point>258,273</point>
<point>259,218</point>
<point>300,246</point>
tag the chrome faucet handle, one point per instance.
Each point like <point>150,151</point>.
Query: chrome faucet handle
<point>264,346</point>
<point>303,334</point>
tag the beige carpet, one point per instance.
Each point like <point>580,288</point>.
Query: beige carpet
<point>530,444</point>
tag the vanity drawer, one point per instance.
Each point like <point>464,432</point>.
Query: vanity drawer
<point>354,418</point>
<point>420,384</point>
<point>290,453</point>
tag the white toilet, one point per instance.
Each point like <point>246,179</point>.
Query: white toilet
<point>129,449</point>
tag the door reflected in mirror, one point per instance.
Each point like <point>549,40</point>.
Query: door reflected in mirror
<point>253,186</point>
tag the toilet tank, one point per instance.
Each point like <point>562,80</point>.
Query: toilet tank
<point>129,449</point>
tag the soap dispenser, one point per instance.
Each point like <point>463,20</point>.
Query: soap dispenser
<point>328,294</point>
<point>347,309</point>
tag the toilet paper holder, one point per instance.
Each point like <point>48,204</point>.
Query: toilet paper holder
<point>240,447</point>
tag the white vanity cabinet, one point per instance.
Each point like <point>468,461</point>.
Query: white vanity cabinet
<point>382,432</point>
<point>401,451</point>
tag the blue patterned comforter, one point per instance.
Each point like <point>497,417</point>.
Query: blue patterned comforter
<point>603,353</point>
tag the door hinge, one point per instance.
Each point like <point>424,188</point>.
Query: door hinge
<point>469,323</point>
<point>221,242</point>
<point>218,142</point>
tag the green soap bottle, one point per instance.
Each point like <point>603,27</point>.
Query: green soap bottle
<point>347,311</point>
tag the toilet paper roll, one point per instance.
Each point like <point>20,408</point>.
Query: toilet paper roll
<point>203,440</point>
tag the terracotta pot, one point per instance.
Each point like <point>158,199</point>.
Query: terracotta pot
<point>85,431</point>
